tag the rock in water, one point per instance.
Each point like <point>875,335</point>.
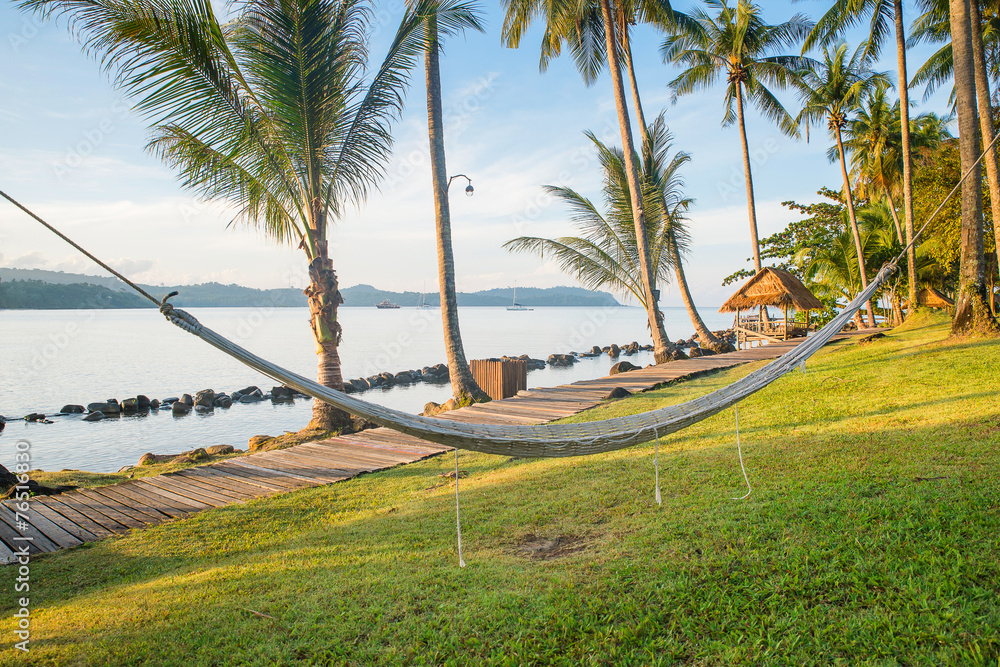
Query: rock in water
<point>73,409</point>
<point>258,441</point>
<point>130,406</point>
<point>623,367</point>
<point>216,450</point>
<point>180,408</point>
<point>154,404</point>
<point>204,409</point>
<point>187,400</point>
<point>205,397</point>
<point>143,402</point>
<point>94,416</point>
<point>695,351</point>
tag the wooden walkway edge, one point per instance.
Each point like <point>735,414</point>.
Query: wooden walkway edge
<point>53,523</point>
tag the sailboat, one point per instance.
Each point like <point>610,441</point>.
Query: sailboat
<point>422,303</point>
<point>514,304</point>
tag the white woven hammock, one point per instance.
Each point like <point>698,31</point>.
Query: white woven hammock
<point>547,440</point>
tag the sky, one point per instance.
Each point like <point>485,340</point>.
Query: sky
<point>72,150</point>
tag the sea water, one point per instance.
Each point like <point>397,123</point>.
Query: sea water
<point>49,358</point>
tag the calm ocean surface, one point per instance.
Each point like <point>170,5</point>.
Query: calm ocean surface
<point>50,358</point>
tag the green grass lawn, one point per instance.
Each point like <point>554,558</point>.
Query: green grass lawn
<point>871,537</point>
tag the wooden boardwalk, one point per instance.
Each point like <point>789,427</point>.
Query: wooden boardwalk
<point>52,523</point>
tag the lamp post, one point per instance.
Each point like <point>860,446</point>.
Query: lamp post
<point>468,188</point>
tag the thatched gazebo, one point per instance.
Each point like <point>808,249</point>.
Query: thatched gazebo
<point>770,287</point>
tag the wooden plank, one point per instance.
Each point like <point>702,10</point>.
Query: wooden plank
<point>391,435</point>
<point>357,454</point>
<point>176,499</point>
<point>25,530</point>
<point>224,482</point>
<point>331,462</point>
<point>137,504</point>
<point>50,529</point>
<point>147,495</point>
<point>188,490</point>
<point>261,466</point>
<point>359,439</point>
<point>266,478</point>
<point>201,486</point>
<point>63,522</point>
<point>292,468</point>
<point>117,511</point>
<point>97,523</point>
<point>236,475</point>
<point>7,555</point>
<point>14,540</point>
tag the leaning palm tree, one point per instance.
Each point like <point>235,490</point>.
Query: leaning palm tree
<point>737,42</point>
<point>275,112</point>
<point>560,14</point>
<point>459,17</point>
<point>606,255</point>
<point>830,91</point>
<point>845,14</point>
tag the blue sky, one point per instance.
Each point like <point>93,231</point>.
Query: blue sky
<point>72,149</point>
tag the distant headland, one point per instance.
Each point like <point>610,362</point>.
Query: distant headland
<point>37,289</point>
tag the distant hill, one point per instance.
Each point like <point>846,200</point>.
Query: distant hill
<point>52,289</point>
<point>38,295</point>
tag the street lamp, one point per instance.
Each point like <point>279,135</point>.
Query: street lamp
<point>468,188</point>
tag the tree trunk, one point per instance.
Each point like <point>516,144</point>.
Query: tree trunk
<point>751,205</point>
<point>904,113</point>
<point>849,198</point>
<point>324,298</point>
<point>895,216</point>
<point>660,340</point>
<point>705,337</point>
<point>986,118</point>
<point>463,385</point>
<point>972,312</point>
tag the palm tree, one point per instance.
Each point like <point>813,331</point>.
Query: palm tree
<point>519,14</point>
<point>830,91</point>
<point>275,112</point>
<point>934,26</point>
<point>846,14</point>
<point>463,385</point>
<point>872,139</point>
<point>972,308</point>
<point>736,41</point>
<point>606,255</point>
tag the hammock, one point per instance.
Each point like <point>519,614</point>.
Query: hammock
<point>549,440</point>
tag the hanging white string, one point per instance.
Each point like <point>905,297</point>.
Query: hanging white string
<point>656,465</point>
<point>802,366</point>
<point>739,449</point>
<point>458,515</point>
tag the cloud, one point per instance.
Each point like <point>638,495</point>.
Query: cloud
<point>32,260</point>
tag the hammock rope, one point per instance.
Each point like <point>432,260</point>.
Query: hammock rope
<point>548,440</point>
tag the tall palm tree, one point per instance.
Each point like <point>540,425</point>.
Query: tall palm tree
<point>275,112</point>
<point>934,26</point>
<point>831,90</point>
<point>736,41</point>
<point>845,14</point>
<point>972,308</point>
<point>519,14</point>
<point>872,139</point>
<point>460,17</point>
<point>607,254</point>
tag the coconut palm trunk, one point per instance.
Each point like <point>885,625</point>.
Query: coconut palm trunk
<point>904,113</point>
<point>972,311</point>
<point>463,385</point>
<point>324,298</point>
<point>706,337</point>
<point>895,215</point>
<point>748,176</point>
<point>986,118</point>
<point>849,198</point>
<point>660,340</point>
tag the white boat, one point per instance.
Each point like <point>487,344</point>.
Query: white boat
<point>422,303</point>
<point>386,304</point>
<point>514,304</point>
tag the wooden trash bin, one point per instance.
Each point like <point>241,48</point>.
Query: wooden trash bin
<point>500,378</point>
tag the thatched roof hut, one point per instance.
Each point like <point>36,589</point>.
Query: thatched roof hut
<point>772,287</point>
<point>932,298</point>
